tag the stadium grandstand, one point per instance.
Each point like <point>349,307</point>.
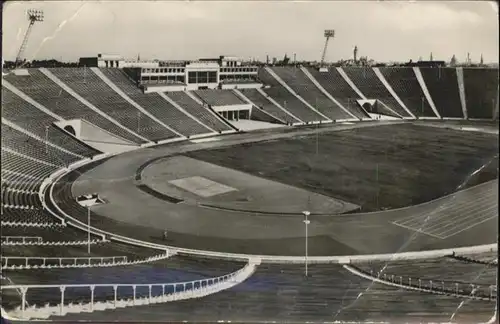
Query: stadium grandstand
<point>223,189</point>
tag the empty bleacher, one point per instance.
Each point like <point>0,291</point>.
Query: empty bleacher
<point>304,87</point>
<point>31,169</point>
<point>263,103</point>
<point>481,89</point>
<point>219,97</point>
<point>442,84</point>
<point>38,216</point>
<point>34,120</point>
<point>49,94</point>
<point>404,82</point>
<point>339,89</point>
<point>156,105</point>
<point>88,85</point>
<point>30,146</point>
<point>371,87</point>
<point>287,100</point>
<point>198,111</point>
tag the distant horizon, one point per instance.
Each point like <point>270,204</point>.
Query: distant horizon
<point>189,30</point>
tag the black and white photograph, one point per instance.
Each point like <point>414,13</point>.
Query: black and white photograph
<point>249,161</point>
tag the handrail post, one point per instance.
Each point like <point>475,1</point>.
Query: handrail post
<point>89,261</point>
<point>134,288</point>
<point>175,291</point>
<point>162,293</point>
<point>74,263</point>
<point>409,281</point>
<point>115,290</point>
<point>392,278</point>
<point>92,288</point>
<point>401,280</point>
<point>430,282</point>
<point>419,284</point>
<point>442,283</point>
<point>60,262</point>
<point>6,261</point>
<point>44,262</point>
<point>62,289</point>
<point>26,261</point>
<point>150,294</point>
<point>23,300</point>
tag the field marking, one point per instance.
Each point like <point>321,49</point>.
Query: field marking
<point>449,231</point>
<point>438,213</point>
<point>470,226</point>
<point>417,230</point>
<point>459,216</point>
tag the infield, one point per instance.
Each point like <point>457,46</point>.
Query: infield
<point>377,168</point>
<point>210,185</point>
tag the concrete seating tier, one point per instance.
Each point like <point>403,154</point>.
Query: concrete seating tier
<point>404,82</point>
<point>335,85</point>
<point>30,118</point>
<point>88,85</point>
<point>257,98</point>
<point>30,146</point>
<point>53,234</point>
<point>442,84</point>
<point>49,94</point>
<point>27,216</point>
<point>219,97</point>
<point>26,166</point>
<point>19,181</point>
<point>286,99</point>
<point>304,87</point>
<point>19,198</point>
<point>481,90</point>
<point>445,270</point>
<point>198,111</point>
<point>261,303</point>
<point>370,85</point>
<point>156,105</point>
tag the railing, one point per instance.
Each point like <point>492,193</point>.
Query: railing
<point>440,287</point>
<point>56,243</point>
<point>62,262</point>
<point>169,292</point>
<point>12,240</point>
<point>115,261</point>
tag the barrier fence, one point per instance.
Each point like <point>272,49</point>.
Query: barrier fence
<point>55,261</point>
<point>463,290</point>
<point>156,292</point>
<point>21,239</point>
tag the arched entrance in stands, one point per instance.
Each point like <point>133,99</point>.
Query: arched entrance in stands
<point>368,107</point>
<point>70,130</point>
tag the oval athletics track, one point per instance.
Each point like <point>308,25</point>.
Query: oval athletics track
<point>462,219</point>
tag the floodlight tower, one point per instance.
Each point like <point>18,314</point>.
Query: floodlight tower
<point>328,33</point>
<point>33,16</point>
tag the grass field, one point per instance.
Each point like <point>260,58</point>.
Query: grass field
<point>377,168</point>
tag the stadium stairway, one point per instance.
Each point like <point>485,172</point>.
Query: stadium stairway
<point>302,85</point>
<point>322,116</point>
<point>442,84</point>
<point>207,107</point>
<point>481,92</point>
<point>327,94</point>
<point>169,133</point>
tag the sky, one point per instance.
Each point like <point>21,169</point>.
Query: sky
<point>174,30</point>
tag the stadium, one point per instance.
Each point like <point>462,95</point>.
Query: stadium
<point>222,189</point>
